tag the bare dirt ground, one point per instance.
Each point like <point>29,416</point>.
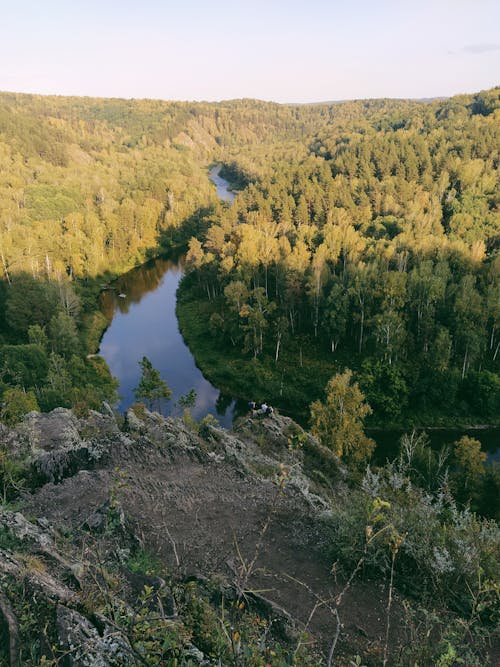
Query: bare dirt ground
<point>202,514</point>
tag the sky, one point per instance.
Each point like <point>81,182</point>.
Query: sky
<point>279,50</point>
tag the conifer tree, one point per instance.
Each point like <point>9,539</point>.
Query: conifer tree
<point>151,387</point>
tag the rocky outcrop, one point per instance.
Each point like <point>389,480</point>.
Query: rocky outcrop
<point>86,647</point>
<point>239,505</point>
<point>58,444</point>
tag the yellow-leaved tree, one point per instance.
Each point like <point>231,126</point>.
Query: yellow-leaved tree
<point>338,421</point>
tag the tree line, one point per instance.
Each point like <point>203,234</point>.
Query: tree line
<point>365,232</point>
<point>379,247</point>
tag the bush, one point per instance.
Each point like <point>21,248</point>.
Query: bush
<point>17,403</point>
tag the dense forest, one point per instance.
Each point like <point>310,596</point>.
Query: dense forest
<point>365,235</point>
<point>354,278</point>
<point>376,249</point>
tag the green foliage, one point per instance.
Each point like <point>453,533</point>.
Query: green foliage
<point>368,227</point>
<point>338,422</point>
<point>30,302</point>
<point>12,476</point>
<point>469,468</point>
<point>205,424</point>
<point>63,335</point>
<point>15,404</point>
<point>23,365</point>
<point>425,467</point>
<point>37,336</point>
<point>455,595</point>
<point>385,388</point>
<point>187,400</point>
<point>151,387</point>
<point>143,562</point>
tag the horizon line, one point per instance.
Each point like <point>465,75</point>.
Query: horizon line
<point>429,98</point>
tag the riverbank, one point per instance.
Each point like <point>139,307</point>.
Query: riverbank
<point>297,379</point>
<point>172,243</point>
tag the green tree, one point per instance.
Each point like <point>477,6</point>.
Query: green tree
<point>37,336</point>
<point>30,301</point>
<point>56,391</point>
<point>15,404</point>
<point>23,365</point>
<point>63,335</point>
<point>335,317</point>
<point>385,388</point>
<point>338,422</point>
<point>151,387</point>
<point>469,460</point>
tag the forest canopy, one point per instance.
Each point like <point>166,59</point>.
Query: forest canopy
<point>365,232</point>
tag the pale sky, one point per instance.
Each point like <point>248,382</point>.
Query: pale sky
<point>280,50</point>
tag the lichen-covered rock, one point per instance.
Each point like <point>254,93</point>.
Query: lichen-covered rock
<point>51,431</point>
<point>85,646</point>
<point>58,444</point>
<point>24,530</point>
<point>36,581</point>
<point>157,492</point>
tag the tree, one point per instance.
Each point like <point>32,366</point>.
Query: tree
<point>151,387</point>
<point>15,404</point>
<point>470,318</point>
<point>30,302</point>
<point>336,312</point>
<point>469,460</point>
<point>23,365</point>
<point>338,422</point>
<point>385,388</point>
<point>63,335</point>
<point>280,330</point>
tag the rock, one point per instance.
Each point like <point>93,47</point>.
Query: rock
<point>194,654</point>
<point>86,648</point>
<point>24,530</point>
<point>55,430</point>
<point>189,502</point>
<point>96,521</point>
<point>58,444</point>
<point>39,582</point>
<point>37,540</point>
<point>133,422</point>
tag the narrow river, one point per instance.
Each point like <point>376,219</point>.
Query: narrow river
<point>144,323</point>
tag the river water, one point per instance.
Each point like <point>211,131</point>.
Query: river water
<point>144,323</point>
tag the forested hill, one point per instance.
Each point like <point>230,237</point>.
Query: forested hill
<point>399,194</point>
<point>355,275</point>
<point>88,184</point>
<point>375,249</point>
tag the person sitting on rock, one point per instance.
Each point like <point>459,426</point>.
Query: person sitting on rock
<point>252,406</point>
<point>263,408</point>
<point>270,410</point>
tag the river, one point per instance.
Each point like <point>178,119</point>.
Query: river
<point>144,323</point>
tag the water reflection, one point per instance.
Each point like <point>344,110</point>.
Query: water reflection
<point>144,323</point>
<point>132,286</point>
<point>140,307</point>
<point>221,184</point>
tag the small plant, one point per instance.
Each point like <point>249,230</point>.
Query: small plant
<point>151,387</point>
<point>143,562</point>
<point>187,400</point>
<point>12,476</point>
<point>139,410</point>
<point>205,424</point>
